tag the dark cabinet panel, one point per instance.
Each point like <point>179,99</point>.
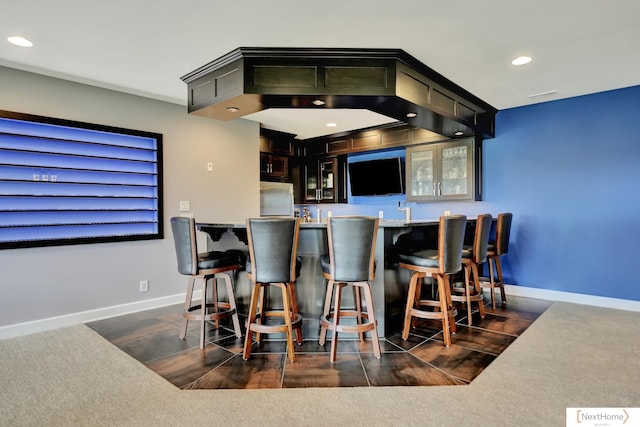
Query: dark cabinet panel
<point>274,168</point>
<point>356,78</point>
<point>366,142</point>
<point>339,146</point>
<point>285,77</point>
<point>395,137</point>
<point>276,143</point>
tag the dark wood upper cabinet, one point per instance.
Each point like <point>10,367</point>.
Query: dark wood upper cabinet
<point>387,81</point>
<point>276,149</point>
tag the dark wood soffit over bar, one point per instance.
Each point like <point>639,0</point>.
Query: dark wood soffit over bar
<point>387,81</point>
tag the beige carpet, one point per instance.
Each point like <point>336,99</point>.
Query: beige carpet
<point>572,356</point>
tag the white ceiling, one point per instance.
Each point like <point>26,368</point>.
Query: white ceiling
<point>144,47</point>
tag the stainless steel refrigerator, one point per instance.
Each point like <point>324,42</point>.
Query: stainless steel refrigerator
<point>276,199</point>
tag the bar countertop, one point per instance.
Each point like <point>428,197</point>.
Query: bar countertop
<point>313,224</point>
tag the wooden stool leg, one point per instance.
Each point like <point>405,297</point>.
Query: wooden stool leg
<point>294,310</point>
<point>203,312</point>
<point>446,333</point>
<point>336,321</point>
<point>478,289</point>
<point>253,307</point>
<point>447,289</point>
<point>368,298</point>
<point>232,305</point>
<point>287,320</point>
<point>260,315</point>
<point>416,301</point>
<point>492,282</point>
<point>326,311</point>
<point>187,305</point>
<point>467,291</point>
<point>501,280</point>
<point>216,308</point>
<point>358,300</point>
<point>411,295</point>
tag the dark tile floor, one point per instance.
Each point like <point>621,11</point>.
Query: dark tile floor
<point>151,337</point>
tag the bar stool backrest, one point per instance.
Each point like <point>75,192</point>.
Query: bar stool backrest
<point>503,231</point>
<point>450,242</point>
<point>273,246</point>
<point>352,247</point>
<point>481,239</point>
<point>184,237</point>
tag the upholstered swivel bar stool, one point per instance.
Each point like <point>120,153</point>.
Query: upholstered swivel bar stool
<point>350,262</point>
<point>472,256</point>
<point>495,250</point>
<point>273,261</point>
<point>440,264</point>
<point>206,266</point>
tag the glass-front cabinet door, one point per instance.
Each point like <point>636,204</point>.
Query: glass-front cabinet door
<point>311,181</point>
<point>456,170</point>
<point>441,171</point>
<point>421,170</point>
<point>320,181</point>
<point>327,180</point>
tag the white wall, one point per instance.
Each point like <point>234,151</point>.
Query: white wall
<point>41,283</point>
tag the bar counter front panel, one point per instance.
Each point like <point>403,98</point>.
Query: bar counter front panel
<point>389,287</point>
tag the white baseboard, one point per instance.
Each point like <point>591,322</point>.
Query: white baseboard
<point>551,295</point>
<point>56,322</point>
<point>42,325</point>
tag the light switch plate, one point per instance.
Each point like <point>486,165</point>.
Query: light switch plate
<point>185,206</point>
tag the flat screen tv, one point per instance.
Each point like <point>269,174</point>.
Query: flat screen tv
<point>377,177</point>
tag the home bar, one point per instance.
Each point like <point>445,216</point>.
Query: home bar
<point>439,123</point>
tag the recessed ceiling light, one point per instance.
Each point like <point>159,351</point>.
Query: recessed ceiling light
<point>331,125</point>
<point>19,41</point>
<point>318,102</point>
<point>521,60</point>
<point>233,109</point>
<point>459,133</point>
<point>411,115</point>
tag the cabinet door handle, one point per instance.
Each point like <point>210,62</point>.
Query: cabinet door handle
<point>434,189</point>
<point>439,190</point>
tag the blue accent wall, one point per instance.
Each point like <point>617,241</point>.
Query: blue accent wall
<point>569,170</point>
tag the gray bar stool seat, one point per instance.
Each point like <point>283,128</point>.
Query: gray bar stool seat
<point>440,263</point>
<point>206,266</point>
<point>273,261</point>
<point>350,262</point>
